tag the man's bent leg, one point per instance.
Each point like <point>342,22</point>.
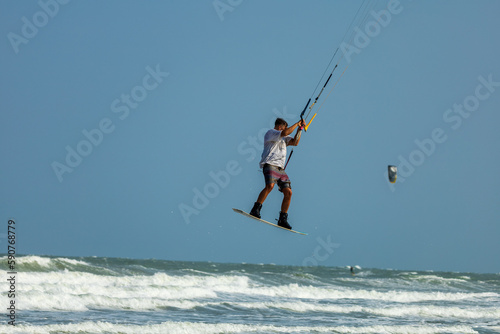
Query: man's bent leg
<point>263,194</point>
<point>260,200</point>
<point>287,198</point>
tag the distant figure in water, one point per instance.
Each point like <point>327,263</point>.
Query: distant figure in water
<point>352,270</point>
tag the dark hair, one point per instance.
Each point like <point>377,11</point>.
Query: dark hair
<point>280,121</point>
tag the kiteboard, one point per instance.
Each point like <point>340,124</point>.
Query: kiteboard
<point>264,221</point>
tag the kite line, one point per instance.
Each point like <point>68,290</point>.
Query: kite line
<point>358,20</point>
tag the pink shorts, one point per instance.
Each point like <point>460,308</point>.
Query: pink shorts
<point>275,174</point>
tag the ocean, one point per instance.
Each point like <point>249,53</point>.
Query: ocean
<point>112,295</point>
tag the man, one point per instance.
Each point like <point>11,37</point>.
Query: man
<point>273,166</point>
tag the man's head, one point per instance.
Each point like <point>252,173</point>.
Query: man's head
<point>280,124</point>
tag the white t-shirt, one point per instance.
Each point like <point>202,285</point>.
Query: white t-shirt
<point>274,148</point>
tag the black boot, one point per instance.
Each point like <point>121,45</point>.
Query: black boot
<point>283,221</point>
<point>256,210</point>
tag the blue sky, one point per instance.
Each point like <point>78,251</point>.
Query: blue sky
<point>164,101</point>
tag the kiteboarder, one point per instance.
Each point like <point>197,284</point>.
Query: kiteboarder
<point>273,166</point>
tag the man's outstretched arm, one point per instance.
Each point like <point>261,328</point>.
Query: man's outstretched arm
<point>295,141</point>
<point>288,131</point>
